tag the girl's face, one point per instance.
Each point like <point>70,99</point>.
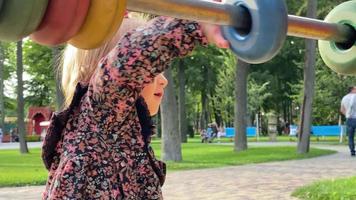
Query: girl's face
<point>153,93</point>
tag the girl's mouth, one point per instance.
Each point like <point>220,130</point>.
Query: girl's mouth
<point>159,94</point>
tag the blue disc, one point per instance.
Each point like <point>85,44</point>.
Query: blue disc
<point>266,34</point>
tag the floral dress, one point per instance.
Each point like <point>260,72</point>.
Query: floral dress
<point>99,147</point>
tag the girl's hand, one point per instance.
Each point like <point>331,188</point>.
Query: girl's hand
<point>214,34</point>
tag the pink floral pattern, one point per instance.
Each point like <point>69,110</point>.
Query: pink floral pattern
<point>101,153</point>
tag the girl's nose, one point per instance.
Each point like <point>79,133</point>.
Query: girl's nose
<point>162,81</point>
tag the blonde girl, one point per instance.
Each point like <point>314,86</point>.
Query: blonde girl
<point>99,146</point>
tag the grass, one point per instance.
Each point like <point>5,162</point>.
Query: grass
<point>198,156</point>
<point>343,189</point>
<point>19,170</point>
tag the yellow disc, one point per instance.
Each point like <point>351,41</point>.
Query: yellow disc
<point>103,20</point>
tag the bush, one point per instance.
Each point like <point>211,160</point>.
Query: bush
<point>33,138</point>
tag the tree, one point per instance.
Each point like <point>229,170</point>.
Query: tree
<point>241,106</point>
<point>202,69</point>
<point>171,139</point>
<point>257,96</point>
<point>224,97</point>
<point>2,76</point>
<point>7,104</point>
<point>20,100</point>
<point>56,54</point>
<point>183,125</point>
<point>309,82</point>
<point>41,88</point>
<point>329,89</point>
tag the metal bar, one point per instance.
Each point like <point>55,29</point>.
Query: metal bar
<point>226,14</point>
<point>319,30</point>
<point>196,10</point>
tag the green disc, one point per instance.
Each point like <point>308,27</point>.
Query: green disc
<point>340,59</point>
<point>19,18</point>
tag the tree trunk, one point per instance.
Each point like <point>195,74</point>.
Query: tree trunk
<point>217,113</point>
<point>197,118</point>
<point>241,106</point>
<point>55,63</point>
<point>309,82</point>
<point>183,125</point>
<point>157,122</point>
<point>204,101</point>
<point>2,100</point>
<point>171,139</point>
<point>204,110</point>
<point>20,100</point>
<point>291,114</point>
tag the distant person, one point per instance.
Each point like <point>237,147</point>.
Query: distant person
<point>1,134</point>
<point>214,131</point>
<point>287,128</point>
<point>14,135</point>
<point>204,136</point>
<point>221,133</point>
<point>348,108</point>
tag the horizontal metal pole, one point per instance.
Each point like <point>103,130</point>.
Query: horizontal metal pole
<point>226,14</point>
<point>319,30</point>
<point>196,10</point>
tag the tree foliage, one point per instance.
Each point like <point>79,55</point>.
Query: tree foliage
<point>41,87</point>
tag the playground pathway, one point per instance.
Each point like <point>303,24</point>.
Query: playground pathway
<point>270,181</point>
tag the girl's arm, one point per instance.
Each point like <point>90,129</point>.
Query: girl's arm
<point>140,56</point>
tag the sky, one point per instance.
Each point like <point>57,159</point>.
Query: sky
<point>11,83</point>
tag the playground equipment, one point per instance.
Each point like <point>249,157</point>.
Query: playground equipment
<point>256,29</point>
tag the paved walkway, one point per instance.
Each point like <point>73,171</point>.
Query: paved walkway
<point>16,145</point>
<point>266,181</point>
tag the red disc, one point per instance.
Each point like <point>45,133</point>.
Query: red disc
<point>61,22</point>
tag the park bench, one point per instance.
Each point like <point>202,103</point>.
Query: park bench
<point>230,132</point>
<point>327,131</point>
<point>322,131</point>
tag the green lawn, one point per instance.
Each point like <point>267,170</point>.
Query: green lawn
<point>17,169</point>
<point>343,189</point>
<point>197,156</point>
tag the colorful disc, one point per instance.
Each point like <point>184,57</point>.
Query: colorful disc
<point>61,21</point>
<point>19,18</point>
<point>102,22</point>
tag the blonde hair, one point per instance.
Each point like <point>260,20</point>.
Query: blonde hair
<point>79,65</point>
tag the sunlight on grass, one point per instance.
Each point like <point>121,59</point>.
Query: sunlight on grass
<point>17,169</point>
<point>328,190</point>
<point>197,156</point>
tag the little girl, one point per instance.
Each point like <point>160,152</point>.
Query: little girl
<point>99,146</point>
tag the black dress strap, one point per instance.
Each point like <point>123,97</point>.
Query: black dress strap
<point>57,123</point>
